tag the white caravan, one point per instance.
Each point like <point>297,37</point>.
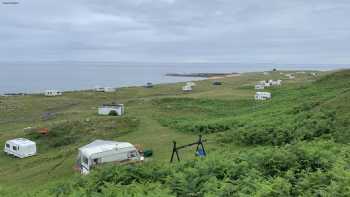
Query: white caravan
<point>20,147</point>
<point>187,88</point>
<point>102,151</point>
<point>262,95</point>
<point>108,109</point>
<point>259,87</point>
<point>190,83</point>
<point>109,89</point>
<point>52,93</point>
<point>99,89</point>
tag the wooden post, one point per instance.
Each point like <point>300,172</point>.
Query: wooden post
<point>174,151</point>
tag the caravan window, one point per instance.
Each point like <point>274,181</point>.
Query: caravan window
<point>7,145</point>
<point>132,154</point>
<point>14,147</point>
<point>85,160</point>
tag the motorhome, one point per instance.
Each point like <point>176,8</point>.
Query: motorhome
<point>103,151</point>
<point>20,147</point>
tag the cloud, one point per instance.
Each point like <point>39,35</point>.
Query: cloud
<point>176,30</point>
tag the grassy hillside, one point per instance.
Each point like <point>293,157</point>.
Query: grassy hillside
<point>255,148</point>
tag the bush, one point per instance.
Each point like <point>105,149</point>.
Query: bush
<point>284,130</point>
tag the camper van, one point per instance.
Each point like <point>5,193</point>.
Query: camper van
<point>103,151</point>
<point>53,93</point>
<point>20,147</point>
<point>111,109</point>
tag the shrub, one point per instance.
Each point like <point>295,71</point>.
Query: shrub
<point>296,170</point>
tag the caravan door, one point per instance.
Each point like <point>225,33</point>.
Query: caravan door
<point>84,165</point>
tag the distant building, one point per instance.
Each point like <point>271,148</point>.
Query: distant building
<point>52,93</point>
<point>262,95</point>
<point>111,109</point>
<point>20,147</point>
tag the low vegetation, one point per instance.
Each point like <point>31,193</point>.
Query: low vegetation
<point>304,169</point>
<point>296,144</point>
<point>69,132</point>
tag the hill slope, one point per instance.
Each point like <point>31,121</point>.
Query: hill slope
<point>295,144</point>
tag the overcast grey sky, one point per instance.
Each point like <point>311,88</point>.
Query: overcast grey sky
<point>284,31</point>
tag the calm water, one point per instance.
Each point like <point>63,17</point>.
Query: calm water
<point>36,77</point>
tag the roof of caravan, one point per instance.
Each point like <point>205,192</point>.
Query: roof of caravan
<point>99,146</point>
<point>112,105</point>
<point>21,142</point>
<point>263,93</point>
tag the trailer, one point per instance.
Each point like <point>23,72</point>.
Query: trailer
<point>20,147</point>
<point>104,151</point>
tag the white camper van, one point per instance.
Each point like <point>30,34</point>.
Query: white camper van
<point>107,109</point>
<point>52,93</point>
<point>102,151</point>
<point>20,147</point>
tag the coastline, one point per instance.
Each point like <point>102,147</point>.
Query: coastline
<point>184,76</point>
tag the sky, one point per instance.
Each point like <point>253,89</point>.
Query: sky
<point>284,31</point>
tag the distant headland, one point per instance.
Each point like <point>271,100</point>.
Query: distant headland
<point>203,75</point>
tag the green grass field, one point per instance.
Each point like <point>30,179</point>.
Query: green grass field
<point>157,116</point>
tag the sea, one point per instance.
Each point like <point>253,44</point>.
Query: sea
<point>35,77</point>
